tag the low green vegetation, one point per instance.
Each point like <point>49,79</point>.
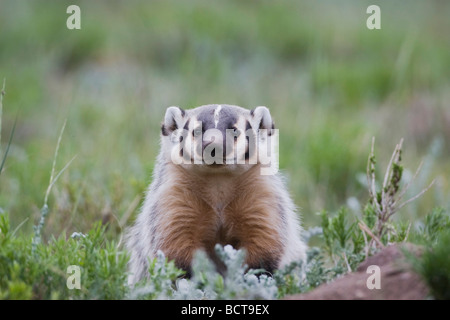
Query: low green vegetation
<point>44,273</point>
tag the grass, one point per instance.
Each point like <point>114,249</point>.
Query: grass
<point>330,84</point>
<point>40,271</point>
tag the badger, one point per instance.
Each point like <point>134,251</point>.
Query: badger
<point>213,184</point>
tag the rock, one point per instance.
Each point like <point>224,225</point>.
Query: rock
<point>397,280</point>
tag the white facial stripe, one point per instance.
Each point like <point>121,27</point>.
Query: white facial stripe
<point>216,115</point>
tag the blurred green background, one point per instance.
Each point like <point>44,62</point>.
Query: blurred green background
<point>330,83</point>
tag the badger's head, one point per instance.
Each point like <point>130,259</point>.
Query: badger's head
<point>220,138</point>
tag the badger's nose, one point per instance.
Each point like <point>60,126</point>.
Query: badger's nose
<point>213,148</point>
<point>213,145</point>
<point>207,143</point>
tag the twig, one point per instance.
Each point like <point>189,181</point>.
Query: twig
<point>388,201</point>
<point>408,184</point>
<point>366,245</point>
<point>385,199</point>
<point>346,262</point>
<point>394,159</point>
<point>366,229</point>
<point>407,232</point>
<point>371,176</point>
<point>416,196</point>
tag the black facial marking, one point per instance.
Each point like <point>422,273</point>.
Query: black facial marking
<point>167,130</point>
<point>247,125</point>
<point>227,120</point>
<point>236,132</point>
<point>261,124</point>
<point>270,131</point>
<point>247,151</point>
<point>164,131</point>
<point>249,134</point>
<point>186,126</point>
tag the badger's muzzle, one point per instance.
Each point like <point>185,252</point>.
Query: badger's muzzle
<point>217,145</point>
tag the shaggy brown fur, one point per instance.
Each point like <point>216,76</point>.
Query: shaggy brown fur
<point>190,222</point>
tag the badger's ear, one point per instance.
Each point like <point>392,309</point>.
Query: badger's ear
<point>262,118</point>
<point>172,120</point>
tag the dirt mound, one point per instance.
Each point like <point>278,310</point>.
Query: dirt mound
<point>397,281</point>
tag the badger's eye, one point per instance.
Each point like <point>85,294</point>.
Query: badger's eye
<point>236,132</point>
<point>197,132</point>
